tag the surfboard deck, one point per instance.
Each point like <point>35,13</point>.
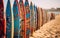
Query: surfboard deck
<point>16,20</point>
<point>2,21</point>
<point>38,18</point>
<point>9,20</point>
<point>35,17</point>
<point>32,23</point>
<point>22,17</point>
<point>27,19</point>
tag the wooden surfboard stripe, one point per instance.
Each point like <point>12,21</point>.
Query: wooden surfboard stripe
<point>12,29</point>
<point>16,20</point>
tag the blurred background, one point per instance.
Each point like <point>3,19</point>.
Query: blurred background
<point>45,4</point>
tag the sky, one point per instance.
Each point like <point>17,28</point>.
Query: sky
<point>46,4</point>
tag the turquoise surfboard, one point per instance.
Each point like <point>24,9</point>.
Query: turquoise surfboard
<point>9,24</point>
<point>16,20</point>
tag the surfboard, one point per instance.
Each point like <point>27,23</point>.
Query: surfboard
<point>38,18</point>
<point>2,21</point>
<point>27,19</point>
<point>9,20</point>
<point>22,11</point>
<point>32,23</point>
<point>41,17</point>
<point>35,17</point>
<point>16,20</point>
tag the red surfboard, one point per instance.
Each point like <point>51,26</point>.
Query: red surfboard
<point>27,19</point>
<point>22,11</point>
<point>2,21</point>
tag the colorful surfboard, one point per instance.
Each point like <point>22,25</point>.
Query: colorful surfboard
<point>27,19</point>
<point>22,11</point>
<point>2,21</point>
<point>35,16</point>
<point>32,23</point>
<point>9,24</point>
<point>16,20</point>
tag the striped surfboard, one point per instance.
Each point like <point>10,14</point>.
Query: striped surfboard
<point>27,19</point>
<point>32,24</point>
<point>22,11</point>
<point>9,24</point>
<point>35,17</point>
<point>16,20</point>
<point>2,21</point>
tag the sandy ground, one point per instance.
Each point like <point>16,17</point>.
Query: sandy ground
<point>49,30</point>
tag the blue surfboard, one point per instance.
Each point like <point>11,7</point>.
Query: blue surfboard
<point>35,16</point>
<point>16,20</point>
<point>8,20</point>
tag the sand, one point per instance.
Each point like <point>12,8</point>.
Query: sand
<point>49,30</point>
